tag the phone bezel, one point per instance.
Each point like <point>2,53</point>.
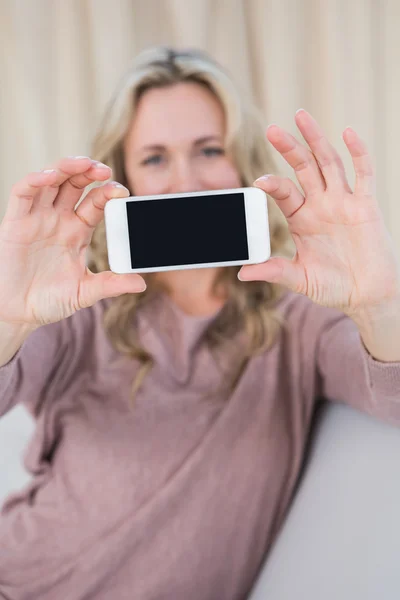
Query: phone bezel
<point>117,237</point>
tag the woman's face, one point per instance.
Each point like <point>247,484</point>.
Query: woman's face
<point>176,143</point>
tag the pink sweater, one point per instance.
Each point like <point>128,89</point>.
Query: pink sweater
<point>183,497</point>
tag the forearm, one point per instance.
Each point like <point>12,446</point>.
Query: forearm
<point>380,331</point>
<point>12,337</point>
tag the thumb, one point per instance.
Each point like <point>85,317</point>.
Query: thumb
<point>277,270</point>
<point>96,286</point>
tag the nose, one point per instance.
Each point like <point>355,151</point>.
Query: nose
<point>184,177</point>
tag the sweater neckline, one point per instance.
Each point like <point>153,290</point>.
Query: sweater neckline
<point>184,316</point>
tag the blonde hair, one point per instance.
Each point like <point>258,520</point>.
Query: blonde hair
<point>250,305</point>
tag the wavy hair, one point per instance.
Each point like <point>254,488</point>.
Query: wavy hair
<point>250,305</point>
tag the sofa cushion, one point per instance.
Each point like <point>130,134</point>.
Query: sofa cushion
<point>341,536</point>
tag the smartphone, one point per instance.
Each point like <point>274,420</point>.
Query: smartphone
<point>187,231</point>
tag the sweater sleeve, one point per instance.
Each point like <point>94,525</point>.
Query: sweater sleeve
<point>31,373</point>
<point>348,373</point>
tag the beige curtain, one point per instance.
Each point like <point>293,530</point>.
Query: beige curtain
<point>60,60</point>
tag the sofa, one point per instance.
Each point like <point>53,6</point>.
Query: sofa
<point>341,536</point>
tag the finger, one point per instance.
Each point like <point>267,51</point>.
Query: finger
<point>74,174</point>
<point>300,158</point>
<point>283,190</point>
<point>327,157</point>
<point>25,191</point>
<point>65,168</point>
<point>71,190</point>
<point>282,271</point>
<point>365,184</point>
<point>91,210</point>
<point>96,286</point>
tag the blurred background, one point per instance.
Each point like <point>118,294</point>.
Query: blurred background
<point>60,61</point>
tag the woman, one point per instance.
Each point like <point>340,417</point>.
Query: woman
<point>173,408</point>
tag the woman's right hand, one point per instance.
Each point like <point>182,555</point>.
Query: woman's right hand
<point>44,240</point>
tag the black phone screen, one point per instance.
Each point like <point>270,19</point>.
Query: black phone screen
<point>192,230</point>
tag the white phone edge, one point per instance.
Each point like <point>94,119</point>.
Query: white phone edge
<point>117,237</point>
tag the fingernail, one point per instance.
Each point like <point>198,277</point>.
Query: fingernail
<point>351,134</point>
<point>47,171</point>
<point>77,157</point>
<point>118,185</point>
<point>299,110</point>
<point>100,165</point>
<point>263,178</point>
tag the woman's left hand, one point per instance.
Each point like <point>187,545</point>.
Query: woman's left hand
<point>345,256</point>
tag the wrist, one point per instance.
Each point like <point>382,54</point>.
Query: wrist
<point>379,327</point>
<point>12,336</point>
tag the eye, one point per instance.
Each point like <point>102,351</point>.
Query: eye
<point>213,151</point>
<point>153,160</point>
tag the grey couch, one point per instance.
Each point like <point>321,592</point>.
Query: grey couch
<point>341,537</point>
